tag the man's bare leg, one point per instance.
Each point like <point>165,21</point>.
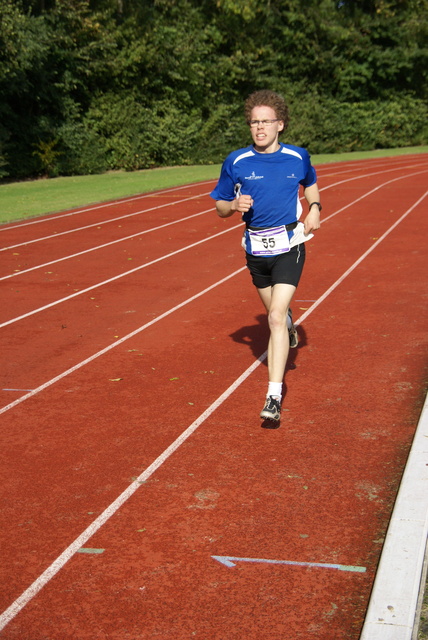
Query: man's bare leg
<point>277,300</point>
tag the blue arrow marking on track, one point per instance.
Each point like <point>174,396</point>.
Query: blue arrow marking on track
<point>230,561</point>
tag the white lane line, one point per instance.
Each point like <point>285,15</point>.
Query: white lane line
<point>120,275</point>
<point>393,602</point>
<point>49,217</point>
<point>102,205</point>
<point>363,257</point>
<point>391,167</point>
<point>111,346</point>
<point>106,244</point>
<point>135,213</point>
<point>99,224</point>
<point>46,264</point>
<point>380,186</point>
<point>79,542</point>
<point>376,173</point>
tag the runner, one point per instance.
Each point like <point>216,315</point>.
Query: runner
<point>262,183</point>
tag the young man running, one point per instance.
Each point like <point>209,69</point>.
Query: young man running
<point>262,183</point>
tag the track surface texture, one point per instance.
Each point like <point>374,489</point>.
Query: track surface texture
<point>134,465</point>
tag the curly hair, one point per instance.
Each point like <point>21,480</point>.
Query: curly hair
<point>267,98</point>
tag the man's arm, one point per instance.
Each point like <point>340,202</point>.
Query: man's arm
<point>312,220</point>
<point>226,208</point>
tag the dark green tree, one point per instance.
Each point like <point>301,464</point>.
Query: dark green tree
<point>87,85</point>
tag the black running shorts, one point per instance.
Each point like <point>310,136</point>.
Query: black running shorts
<point>285,268</point>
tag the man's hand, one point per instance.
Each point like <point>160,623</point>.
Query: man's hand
<point>226,208</point>
<point>312,220</point>
<point>243,203</point>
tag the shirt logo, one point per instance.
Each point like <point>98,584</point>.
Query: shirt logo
<point>253,177</point>
<point>292,176</point>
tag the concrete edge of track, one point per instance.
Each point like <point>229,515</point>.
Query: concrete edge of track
<point>422,591</point>
<point>394,603</point>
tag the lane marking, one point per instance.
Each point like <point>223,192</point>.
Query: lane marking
<point>140,233</point>
<point>79,542</point>
<point>147,264</point>
<point>114,278</point>
<point>90,550</point>
<point>363,257</point>
<point>182,304</point>
<point>98,224</point>
<point>369,175</point>
<point>230,561</point>
<point>52,217</point>
<point>106,244</point>
<point>56,216</point>
<point>111,346</point>
<point>384,184</point>
<point>128,215</point>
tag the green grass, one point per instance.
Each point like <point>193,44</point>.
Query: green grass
<point>361,155</point>
<point>20,200</point>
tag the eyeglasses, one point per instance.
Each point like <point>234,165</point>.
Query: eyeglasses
<point>264,123</point>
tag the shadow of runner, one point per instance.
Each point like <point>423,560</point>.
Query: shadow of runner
<point>256,336</point>
<point>271,424</point>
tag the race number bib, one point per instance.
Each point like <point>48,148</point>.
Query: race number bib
<point>268,242</point>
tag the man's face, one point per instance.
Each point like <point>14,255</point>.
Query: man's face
<point>265,134</point>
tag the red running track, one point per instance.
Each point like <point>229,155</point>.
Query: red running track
<point>133,461</point>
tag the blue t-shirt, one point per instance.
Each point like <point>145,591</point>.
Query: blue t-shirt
<point>271,179</point>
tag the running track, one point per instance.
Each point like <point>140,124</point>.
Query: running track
<point>134,465</point>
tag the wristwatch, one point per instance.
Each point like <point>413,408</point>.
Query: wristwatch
<point>318,203</point>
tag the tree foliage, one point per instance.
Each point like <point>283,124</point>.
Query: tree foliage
<point>91,85</point>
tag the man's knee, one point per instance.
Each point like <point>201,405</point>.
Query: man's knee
<point>277,318</point>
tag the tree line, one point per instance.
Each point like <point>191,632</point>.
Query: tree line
<point>93,85</point>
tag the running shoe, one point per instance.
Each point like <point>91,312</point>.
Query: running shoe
<point>292,333</point>
<point>271,410</point>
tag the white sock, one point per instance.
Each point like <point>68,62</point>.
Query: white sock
<point>274,389</point>
<point>289,323</point>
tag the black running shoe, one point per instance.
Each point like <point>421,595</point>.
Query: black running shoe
<point>292,333</point>
<point>271,410</point>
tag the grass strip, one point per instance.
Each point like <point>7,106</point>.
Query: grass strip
<point>21,200</point>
